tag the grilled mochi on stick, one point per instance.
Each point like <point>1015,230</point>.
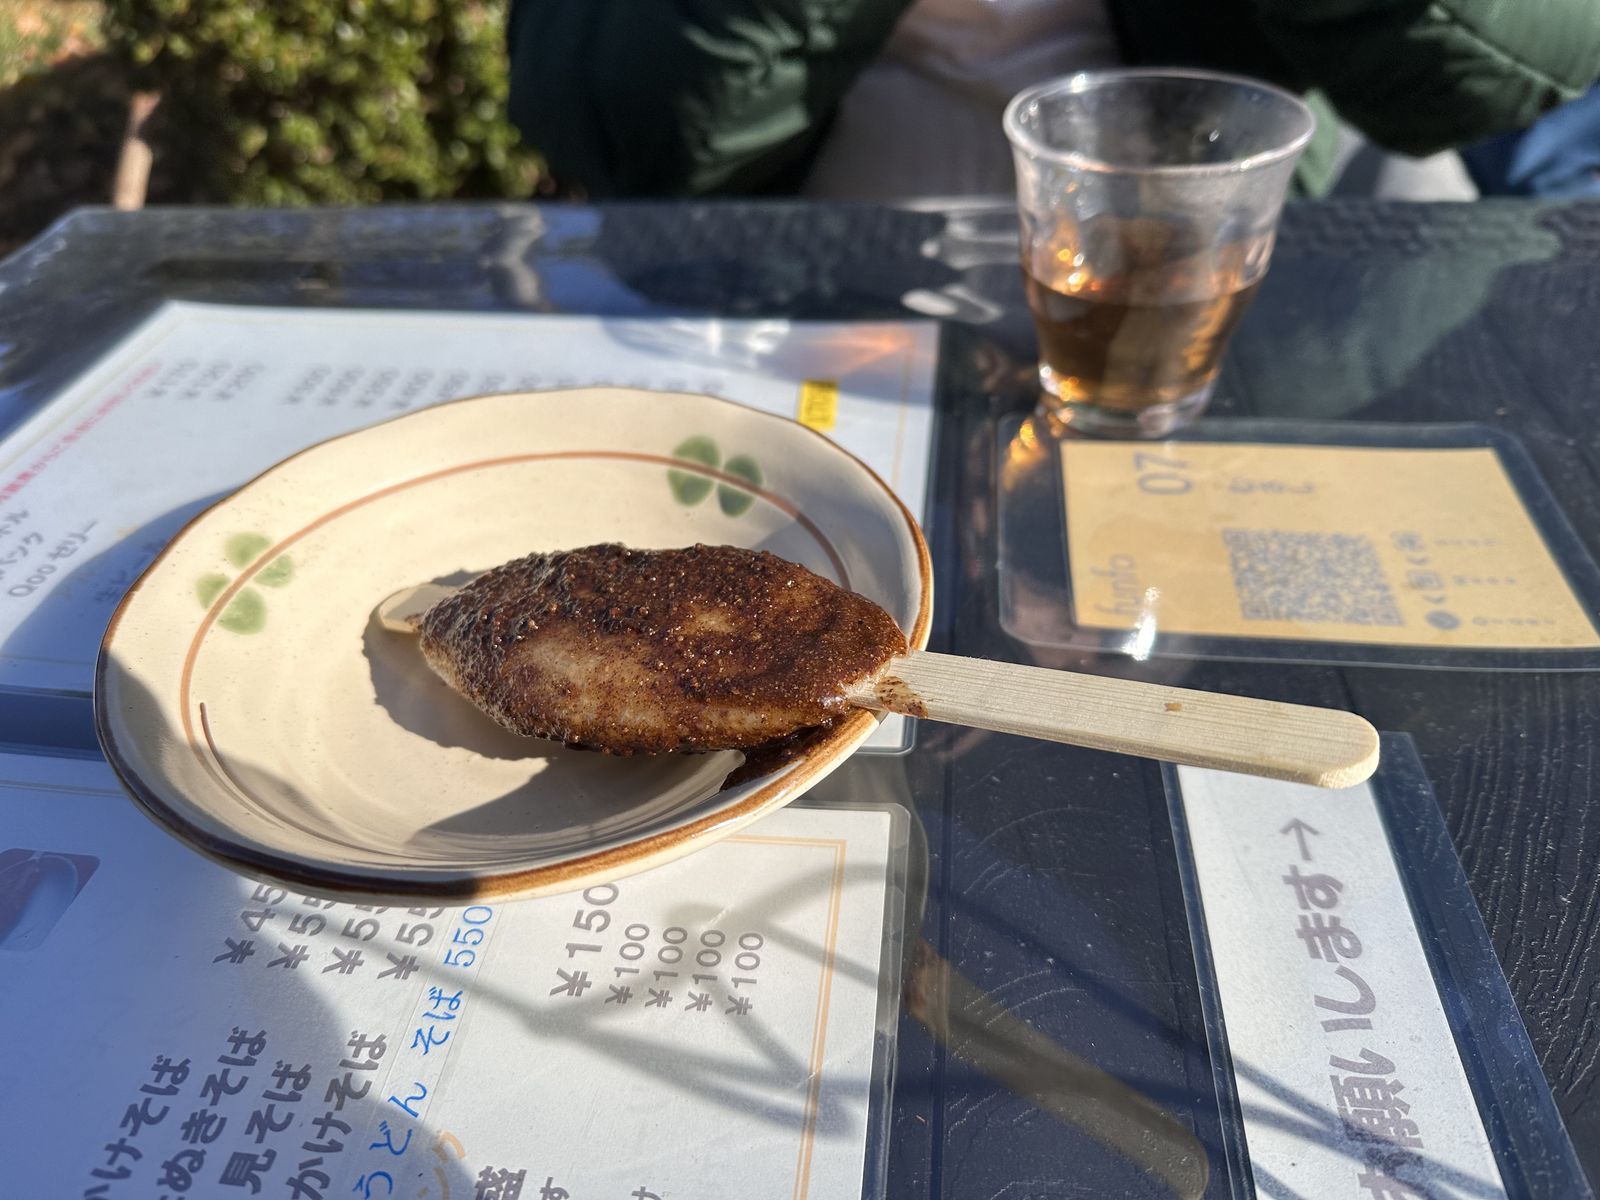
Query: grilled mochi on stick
<point>649,651</point>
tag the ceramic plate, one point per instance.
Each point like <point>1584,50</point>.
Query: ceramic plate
<point>253,706</point>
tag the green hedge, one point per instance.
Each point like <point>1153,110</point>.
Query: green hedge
<point>327,101</point>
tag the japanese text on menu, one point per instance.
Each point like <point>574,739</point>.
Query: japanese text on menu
<point>240,1116</point>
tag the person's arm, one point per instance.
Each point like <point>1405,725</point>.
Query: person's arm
<point>1419,76</point>
<point>684,97</point>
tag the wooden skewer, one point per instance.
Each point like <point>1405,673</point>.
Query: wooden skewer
<point>1320,746</point>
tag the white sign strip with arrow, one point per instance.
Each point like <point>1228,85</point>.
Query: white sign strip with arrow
<point>1347,1072</point>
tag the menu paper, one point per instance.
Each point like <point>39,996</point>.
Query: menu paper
<point>201,398</point>
<point>1347,1073</point>
<point>704,1029</point>
<point>1375,545</point>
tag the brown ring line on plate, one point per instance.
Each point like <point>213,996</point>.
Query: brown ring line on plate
<point>563,875</point>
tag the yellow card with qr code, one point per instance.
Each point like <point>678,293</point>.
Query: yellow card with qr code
<point>1406,547</point>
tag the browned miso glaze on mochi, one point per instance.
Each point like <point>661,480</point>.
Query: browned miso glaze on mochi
<point>647,651</point>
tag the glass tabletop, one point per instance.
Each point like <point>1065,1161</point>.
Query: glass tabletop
<point>1058,1027</point>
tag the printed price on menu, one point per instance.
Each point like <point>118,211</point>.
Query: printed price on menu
<point>1405,547</point>
<point>707,1028</point>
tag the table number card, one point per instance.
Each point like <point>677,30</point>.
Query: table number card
<point>1375,545</point>
<point>705,1029</point>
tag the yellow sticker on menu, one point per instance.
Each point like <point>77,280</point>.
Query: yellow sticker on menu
<point>1319,543</point>
<point>819,404</point>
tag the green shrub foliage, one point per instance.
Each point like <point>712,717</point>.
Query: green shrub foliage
<point>328,101</point>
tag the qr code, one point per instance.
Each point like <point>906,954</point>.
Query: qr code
<point>1282,576</point>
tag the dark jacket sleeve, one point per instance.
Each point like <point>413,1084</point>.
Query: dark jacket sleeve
<point>1418,76</point>
<point>685,97</point>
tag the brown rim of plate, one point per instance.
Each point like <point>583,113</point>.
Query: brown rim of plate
<point>821,757</point>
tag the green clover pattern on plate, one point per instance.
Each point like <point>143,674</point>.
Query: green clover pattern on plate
<point>247,611</point>
<point>690,488</point>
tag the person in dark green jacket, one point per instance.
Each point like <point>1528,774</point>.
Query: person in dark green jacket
<point>708,97</point>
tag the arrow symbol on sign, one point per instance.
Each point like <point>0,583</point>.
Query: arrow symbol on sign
<point>1299,828</point>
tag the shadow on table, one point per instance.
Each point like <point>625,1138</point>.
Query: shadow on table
<point>1129,1119</point>
<point>1130,1116</point>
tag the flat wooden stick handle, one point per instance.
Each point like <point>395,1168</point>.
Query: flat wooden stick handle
<point>1321,746</point>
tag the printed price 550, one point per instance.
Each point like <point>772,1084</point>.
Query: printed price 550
<point>468,934</point>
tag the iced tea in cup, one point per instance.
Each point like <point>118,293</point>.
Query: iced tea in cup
<point>1148,201</point>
